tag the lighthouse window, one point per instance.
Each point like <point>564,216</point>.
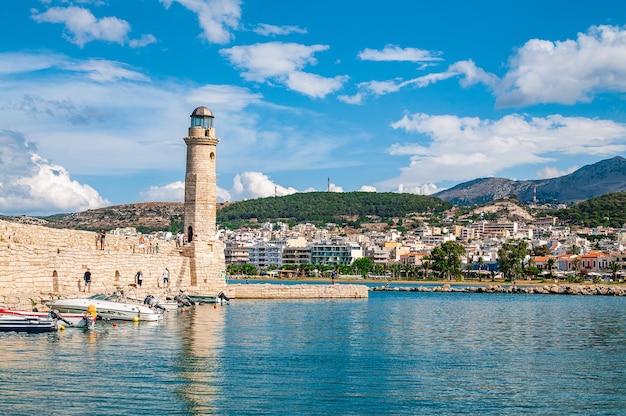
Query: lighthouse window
<point>204,122</point>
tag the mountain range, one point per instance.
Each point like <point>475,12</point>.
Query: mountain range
<point>604,177</point>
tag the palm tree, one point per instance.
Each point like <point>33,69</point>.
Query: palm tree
<point>551,262</point>
<point>614,266</point>
<point>576,264</point>
<point>426,264</point>
<point>480,262</point>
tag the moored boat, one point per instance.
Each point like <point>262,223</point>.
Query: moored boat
<point>32,324</point>
<point>72,320</point>
<point>219,298</point>
<point>108,307</point>
<point>166,305</point>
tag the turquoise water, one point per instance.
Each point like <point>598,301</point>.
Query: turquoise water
<point>396,353</point>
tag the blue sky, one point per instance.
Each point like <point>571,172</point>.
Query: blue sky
<point>393,96</point>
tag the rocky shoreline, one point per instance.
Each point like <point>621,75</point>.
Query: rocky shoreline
<point>586,290</point>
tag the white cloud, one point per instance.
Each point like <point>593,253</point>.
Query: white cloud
<point>471,74</point>
<point>567,71</point>
<point>144,40</point>
<point>216,17</point>
<point>467,72</point>
<point>464,148</point>
<point>172,192</point>
<point>271,30</point>
<point>101,70</point>
<point>351,99</point>
<point>222,195</point>
<point>367,188</point>
<point>251,185</point>
<point>395,53</point>
<point>419,189</point>
<point>541,71</point>
<point>277,62</point>
<point>226,98</point>
<point>554,172</point>
<point>36,186</point>
<point>314,86</point>
<point>335,188</point>
<point>18,62</point>
<point>83,26</point>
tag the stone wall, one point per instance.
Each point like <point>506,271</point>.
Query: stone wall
<point>302,291</point>
<point>41,263</point>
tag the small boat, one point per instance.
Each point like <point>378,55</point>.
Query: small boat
<point>108,307</point>
<point>166,305</point>
<point>27,323</point>
<point>220,298</point>
<point>72,320</point>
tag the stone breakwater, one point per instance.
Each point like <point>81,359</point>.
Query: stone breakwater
<point>593,290</point>
<point>301,291</point>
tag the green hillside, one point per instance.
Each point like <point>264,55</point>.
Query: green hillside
<point>607,210</point>
<point>330,207</point>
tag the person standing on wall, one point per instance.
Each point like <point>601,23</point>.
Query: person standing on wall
<point>142,244</point>
<point>166,277</point>
<point>87,279</point>
<point>139,277</point>
<point>102,238</point>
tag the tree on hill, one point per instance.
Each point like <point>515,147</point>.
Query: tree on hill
<point>331,206</point>
<point>606,210</point>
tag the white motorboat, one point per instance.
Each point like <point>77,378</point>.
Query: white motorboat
<point>32,324</point>
<point>108,307</point>
<point>69,320</point>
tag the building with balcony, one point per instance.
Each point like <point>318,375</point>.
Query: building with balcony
<point>333,254</point>
<point>264,255</point>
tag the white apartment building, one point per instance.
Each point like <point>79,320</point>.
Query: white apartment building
<point>264,255</point>
<point>332,254</point>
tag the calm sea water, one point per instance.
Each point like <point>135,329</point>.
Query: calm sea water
<point>396,353</point>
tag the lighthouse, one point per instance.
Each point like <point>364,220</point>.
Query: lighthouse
<point>204,249</point>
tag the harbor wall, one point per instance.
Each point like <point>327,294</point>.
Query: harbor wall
<point>39,263</point>
<point>298,291</point>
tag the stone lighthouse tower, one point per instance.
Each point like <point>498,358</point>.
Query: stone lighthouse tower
<point>205,251</point>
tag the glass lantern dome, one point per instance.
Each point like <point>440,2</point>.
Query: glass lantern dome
<point>202,117</point>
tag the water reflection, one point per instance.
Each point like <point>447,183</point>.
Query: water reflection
<point>199,367</point>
